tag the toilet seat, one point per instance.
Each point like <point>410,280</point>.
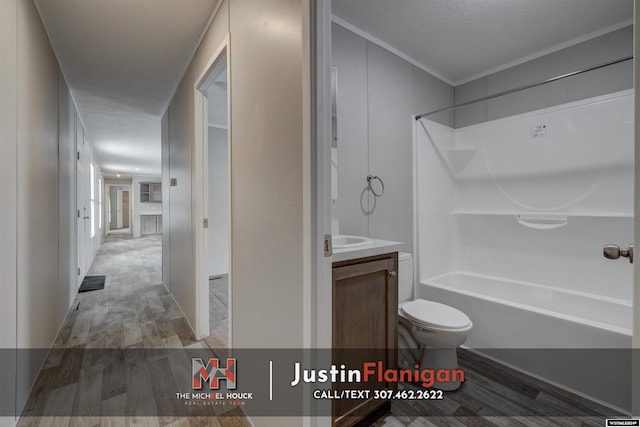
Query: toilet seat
<point>433,315</point>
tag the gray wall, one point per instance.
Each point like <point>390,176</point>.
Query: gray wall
<point>37,189</point>
<point>592,52</point>
<point>9,196</point>
<point>177,152</point>
<point>166,235</point>
<point>37,203</point>
<point>269,174</point>
<point>178,158</point>
<point>67,242</point>
<point>378,92</point>
<point>267,171</point>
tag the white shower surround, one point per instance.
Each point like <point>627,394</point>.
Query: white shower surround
<point>525,287</point>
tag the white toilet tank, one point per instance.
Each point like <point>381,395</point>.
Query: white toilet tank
<point>405,276</point>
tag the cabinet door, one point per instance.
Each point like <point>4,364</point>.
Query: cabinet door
<point>365,321</point>
<point>144,192</point>
<point>147,224</point>
<point>156,192</point>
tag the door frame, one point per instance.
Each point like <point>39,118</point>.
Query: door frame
<point>200,203</point>
<point>635,329</point>
<point>321,295</point>
<point>320,16</point>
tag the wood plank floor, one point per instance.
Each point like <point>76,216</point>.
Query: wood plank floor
<point>133,311</point>
<point>491,394</point>
<point>218,312</point>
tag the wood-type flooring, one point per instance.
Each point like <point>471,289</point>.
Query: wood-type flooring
<point>136,311</point>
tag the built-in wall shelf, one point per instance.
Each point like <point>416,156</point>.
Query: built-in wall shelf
<point>548,214</point>
<point>150,192</point>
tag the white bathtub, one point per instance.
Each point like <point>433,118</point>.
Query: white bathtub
<point>509,315</point>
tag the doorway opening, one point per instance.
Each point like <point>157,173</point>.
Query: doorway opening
<point>213,242</point>
<point>218,190</point>
<point>118,209</point>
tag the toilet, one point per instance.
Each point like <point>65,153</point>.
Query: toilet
<point>428,332</point>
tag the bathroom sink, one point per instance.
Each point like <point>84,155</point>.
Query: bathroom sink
<point>344,241</point>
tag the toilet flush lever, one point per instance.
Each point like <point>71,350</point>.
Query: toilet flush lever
<point>614,252</point>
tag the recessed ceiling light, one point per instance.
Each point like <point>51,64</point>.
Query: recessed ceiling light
<point>118,175</point>
<point>137,169</point>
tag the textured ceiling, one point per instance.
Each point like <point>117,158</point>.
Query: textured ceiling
<point>459,40</point>
<point>122,60</point>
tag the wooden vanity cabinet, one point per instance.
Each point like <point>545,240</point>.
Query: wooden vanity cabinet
<point>365,329</point>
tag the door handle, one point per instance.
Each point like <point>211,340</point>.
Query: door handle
<point>614,252</point>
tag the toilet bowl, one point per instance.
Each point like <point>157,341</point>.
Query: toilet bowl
<point>429,332</point>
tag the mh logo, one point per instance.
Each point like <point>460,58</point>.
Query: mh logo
<point>213,373</point>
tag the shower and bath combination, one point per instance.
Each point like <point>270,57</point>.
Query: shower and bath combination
<point>513,216</point>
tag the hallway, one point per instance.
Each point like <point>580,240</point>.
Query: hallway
<point>133,307</point>
<point>93,92</point>
<point>81,381</point>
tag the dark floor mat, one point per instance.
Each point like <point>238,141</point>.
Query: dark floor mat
<point>92,283</point>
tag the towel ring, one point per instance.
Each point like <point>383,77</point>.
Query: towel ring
<point>376,178</point>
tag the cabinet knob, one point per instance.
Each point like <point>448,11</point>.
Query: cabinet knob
<point>393,274</point>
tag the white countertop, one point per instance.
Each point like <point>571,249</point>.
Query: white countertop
<point>376,247</point>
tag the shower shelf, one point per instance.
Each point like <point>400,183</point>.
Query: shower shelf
<point>550,214</point>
